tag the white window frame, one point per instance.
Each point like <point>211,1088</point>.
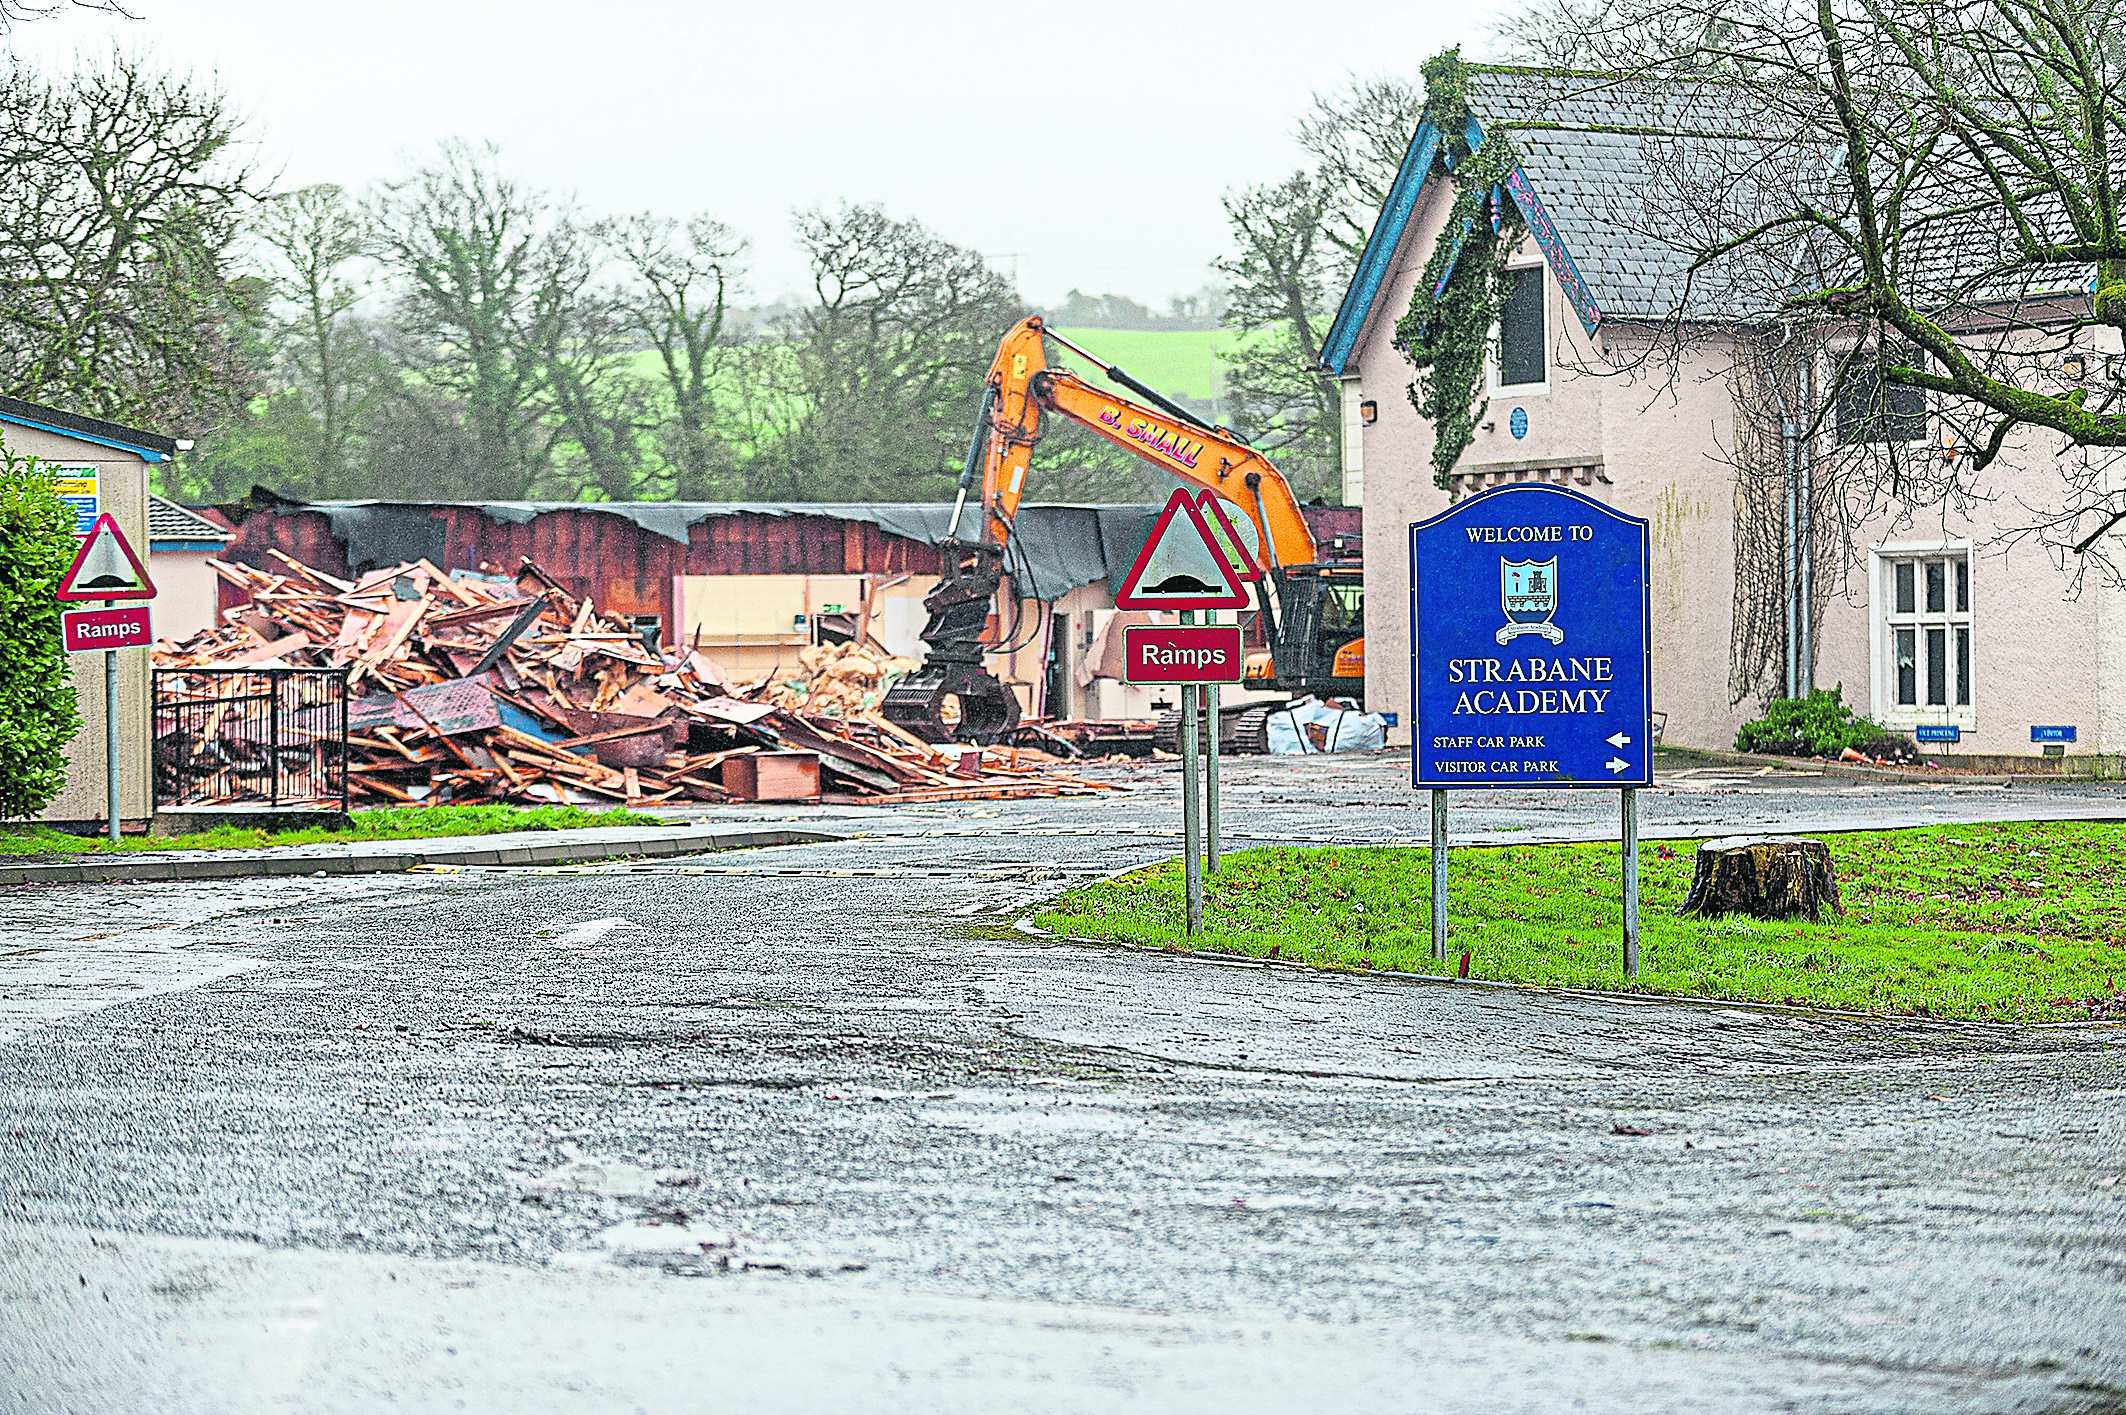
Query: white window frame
<point>1885,620</point>
<point>1492,386</point>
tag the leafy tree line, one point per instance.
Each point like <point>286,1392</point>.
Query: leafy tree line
<point>457,333</point>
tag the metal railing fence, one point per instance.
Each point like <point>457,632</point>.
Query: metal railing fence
<point>236,737</point>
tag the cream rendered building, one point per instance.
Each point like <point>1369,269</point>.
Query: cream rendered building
<point>114,461</point>
<point>1931,620</point>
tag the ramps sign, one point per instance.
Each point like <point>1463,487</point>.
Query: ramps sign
<point>1530,661</point>
<point>105,567</point>
<point>1183,565</point>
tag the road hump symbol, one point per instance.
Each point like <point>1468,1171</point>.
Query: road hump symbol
<point>105,567</point>
<point>1183,565</point>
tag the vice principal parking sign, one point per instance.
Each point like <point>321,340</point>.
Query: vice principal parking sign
<point>1530,663</point>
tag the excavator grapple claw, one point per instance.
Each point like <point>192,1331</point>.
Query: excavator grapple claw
<point>952,698</point>
<point>952,702</point>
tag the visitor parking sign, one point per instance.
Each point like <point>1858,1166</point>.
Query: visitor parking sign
<point>1530,660</point>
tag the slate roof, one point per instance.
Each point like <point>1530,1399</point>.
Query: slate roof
<point>1603,157</point>
<point>169,521</point>
<point>1591,146</point>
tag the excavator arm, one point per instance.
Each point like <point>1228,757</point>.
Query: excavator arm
<point>952,696</point>
<point>1022,388</point>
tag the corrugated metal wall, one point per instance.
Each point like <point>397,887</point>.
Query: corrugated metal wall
<point>625,569</point>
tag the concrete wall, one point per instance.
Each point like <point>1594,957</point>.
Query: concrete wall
<point>123,486</point>
<point>186,592</point>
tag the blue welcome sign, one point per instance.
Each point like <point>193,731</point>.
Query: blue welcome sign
<point>1530,663</point>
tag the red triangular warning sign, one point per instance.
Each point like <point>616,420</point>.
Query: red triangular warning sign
<point>1228,534</point>
<point>1181,565</point>
<point>105,567</point>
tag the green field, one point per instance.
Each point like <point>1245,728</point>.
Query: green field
<point>2005,921</point>
<point>1180,363</point>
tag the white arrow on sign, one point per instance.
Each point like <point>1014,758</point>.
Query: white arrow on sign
<point>1616,763</point>
<point>1617,739</point>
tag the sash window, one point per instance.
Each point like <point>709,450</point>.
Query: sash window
<point>1926,627</point>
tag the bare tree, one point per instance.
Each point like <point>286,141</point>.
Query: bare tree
<point>1358,138</point>
<point>888,364</point>
<point>317,240</point>
<point>462,241</point>
<point>15,12</point>
<point>577,326</point>
<point>1294,245</point>
<point>681,280</point>
<point>1930,211</point>
<point>1278,298</point>
<point>121,196</point>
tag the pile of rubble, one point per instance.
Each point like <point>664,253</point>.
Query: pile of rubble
<point>473,689</point>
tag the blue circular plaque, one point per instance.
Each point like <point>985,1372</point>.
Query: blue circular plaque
<point>1518,422</point>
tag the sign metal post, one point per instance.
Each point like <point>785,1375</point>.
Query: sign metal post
<point>1209,692</point>
<point>1439,875</point>
<point>110,742</point>
<point>1631,882</point>
<point>1191,804</point>
<point>1544,682</point>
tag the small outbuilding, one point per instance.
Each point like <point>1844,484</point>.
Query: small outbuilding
<point>102,467</point>
<point>183,540</point>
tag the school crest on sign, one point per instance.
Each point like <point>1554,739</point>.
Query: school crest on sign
<point>1528,592</point>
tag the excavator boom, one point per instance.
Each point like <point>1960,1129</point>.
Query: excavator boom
<point>952,696</point>
<point>1025,388</point>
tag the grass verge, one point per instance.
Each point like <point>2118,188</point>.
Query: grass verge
<point>2008,921</point>
<point>400,823</point>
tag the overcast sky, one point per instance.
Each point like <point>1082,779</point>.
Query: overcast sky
<point>1082,144</point>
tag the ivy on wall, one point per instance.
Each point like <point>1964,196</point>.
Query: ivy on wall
<point>1461,294</point>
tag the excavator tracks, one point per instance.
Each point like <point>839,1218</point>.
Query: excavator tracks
<point>1243,730</point>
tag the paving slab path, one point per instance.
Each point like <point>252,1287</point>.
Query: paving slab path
<point>814,1127</point>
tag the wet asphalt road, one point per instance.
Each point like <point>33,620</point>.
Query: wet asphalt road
<point>812,1085</point>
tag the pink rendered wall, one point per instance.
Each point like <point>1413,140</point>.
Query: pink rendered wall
<point>1650,435</point>
<point>2043,651</point>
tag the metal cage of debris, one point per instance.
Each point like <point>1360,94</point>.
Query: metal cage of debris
<point>271,738</point>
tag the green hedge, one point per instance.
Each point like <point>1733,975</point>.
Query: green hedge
<point>1820,725</point>
<point>37,711</point>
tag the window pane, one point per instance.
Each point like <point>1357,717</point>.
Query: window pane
<point>1905,418</point>
<point>1907,679</point>
<point>1521,352</point>
<point>1963,587</point>
<point>1963,668</point>
<point>1905,602</point>
<point>1937,668</point>
<point>1937,587</point>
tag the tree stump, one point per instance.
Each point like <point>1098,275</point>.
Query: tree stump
<point>1763,876</point>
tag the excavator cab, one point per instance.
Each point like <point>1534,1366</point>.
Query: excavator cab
<point>1321,616</point>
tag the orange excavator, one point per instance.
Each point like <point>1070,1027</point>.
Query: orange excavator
<point>1312,612</point>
